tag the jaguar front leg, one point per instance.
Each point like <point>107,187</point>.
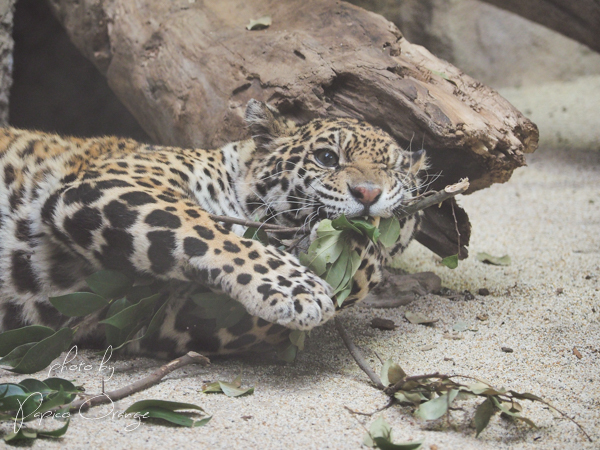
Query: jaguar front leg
<point>139,233</point>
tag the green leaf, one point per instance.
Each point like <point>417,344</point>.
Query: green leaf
<point>483,414</point>
<point>324,249</point>
<point>127,319</point>
<point>212,388</point>
<point>380,436</point>
<point>367,229</point>
<point>231,315</point>
<point>410,397</point>
<point>11,395</point>
<point>395,373</point>
<point>137,293</point>
<point>346,283</point>
<point>484,389</point>
<point>22,434</point>
<point>343,295</point>
<point>391,373</point>
<point>176,418</point>
<point>41,354</point>
<point>115,336</point>
<point>165,410</point>
<point>257,234</point>
<point>9,340</point>
<point>78,303</point>
<point>297,338</point>
<point>437,407</point>
<point>342,223</point>
<point>225,310</point>
<point>380,428</point>
<point>288,354</point>
<point>109,283</point>
<point>57,384</point>
<point>498,404</point>
<point>385,444</point>
<point>212,304</point>
<point>56,399</point>
<point>33,385</point>
<point>494,260</point>
<point>336,272</point>
<point>142,405</point>
<point>450,261</point>
<point>526,396</point>
<point>132,314</point>
<point>231,389</point>
<point>14,357</point>
<point>156,321</point>
<point>55,433</point>
<point>390,231</point>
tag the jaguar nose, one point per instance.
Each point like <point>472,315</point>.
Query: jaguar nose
<point>367,195</point>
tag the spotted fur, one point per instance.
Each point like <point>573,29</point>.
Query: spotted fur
<point>69,207</point>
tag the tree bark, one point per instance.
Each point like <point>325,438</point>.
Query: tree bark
<point>186,69</point>
<point>579,20</point>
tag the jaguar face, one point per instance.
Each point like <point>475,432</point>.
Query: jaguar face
<point>325,168</point>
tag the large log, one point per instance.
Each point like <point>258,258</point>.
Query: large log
<point>186,69</point>
<point>579,20</point>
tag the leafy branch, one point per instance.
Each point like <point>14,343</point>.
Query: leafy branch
<point>433,394</point>
<point>33,399</point>
<point>417,204</point>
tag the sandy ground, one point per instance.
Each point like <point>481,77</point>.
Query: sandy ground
<point>547,218</point>
<point>566,112</point>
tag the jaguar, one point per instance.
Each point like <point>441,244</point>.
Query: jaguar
<point>71,206</point>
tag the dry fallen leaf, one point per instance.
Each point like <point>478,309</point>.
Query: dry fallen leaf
<point>455,337</point>
<point>418,318</point>
<point>383,324</point>
<point>259,24</point>
<point>576,353</point>
<point>428,347</point>
<point>486,258</point>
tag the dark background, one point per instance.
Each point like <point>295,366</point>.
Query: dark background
<point>55,88</point>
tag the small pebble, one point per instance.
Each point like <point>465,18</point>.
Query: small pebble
<point>483,291</point>
<point>507,350</point>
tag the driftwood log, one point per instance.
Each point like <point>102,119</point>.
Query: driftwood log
<point>186,68</point>
<point>579,20</point>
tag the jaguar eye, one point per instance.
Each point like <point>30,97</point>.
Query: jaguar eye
<point>326,157</point>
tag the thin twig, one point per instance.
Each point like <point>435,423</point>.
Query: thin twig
<point>384,407</point>
<point>357,354</point>
<point>139,385</point>
<point>270,227</point>
<point>433,198</point>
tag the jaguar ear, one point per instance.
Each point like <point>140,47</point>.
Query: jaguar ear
<point>417,162</point>
<point>266,123</point>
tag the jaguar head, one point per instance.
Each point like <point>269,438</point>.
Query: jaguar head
<point>326,168</point>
